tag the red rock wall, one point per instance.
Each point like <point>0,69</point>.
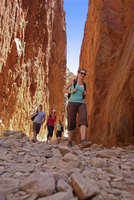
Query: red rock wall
<point>32,72</point>
<point>108,55</point>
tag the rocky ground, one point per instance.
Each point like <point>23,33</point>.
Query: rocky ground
<point>39,171</point>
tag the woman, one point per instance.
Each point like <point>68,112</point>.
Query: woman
<point>51,123</point>
<point>76,105</point>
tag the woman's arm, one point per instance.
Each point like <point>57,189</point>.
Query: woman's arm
<point>67,87</point>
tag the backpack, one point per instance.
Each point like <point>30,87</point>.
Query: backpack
<point>62,129</point>
<point>74,84</point>
<point>32,118</point>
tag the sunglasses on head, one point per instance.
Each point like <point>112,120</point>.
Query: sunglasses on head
<point>84,74</point>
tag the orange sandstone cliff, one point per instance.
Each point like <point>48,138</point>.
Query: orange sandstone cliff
<point>32,60</point>
<point>108,55</point>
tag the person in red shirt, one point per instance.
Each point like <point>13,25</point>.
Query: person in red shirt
<point>51,124</point>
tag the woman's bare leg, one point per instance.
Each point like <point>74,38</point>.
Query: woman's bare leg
<point>70,135</point>
<point>83,131</point>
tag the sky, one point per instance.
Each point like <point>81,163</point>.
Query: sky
<point>76,13</point>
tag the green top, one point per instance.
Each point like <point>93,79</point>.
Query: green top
<point>77,97</point>
<point>59,126</point>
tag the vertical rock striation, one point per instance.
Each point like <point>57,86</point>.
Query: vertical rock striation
<point>108,55</point>
<point>32,60</point>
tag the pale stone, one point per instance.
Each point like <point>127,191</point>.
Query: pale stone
<point>21,167</point>
<point>69,157</point>
<point>18,174</point>
<point>2,196</point>
<point>64,149</point>
<point>125,167</point>
<point>114,170</point>
<point>115,192</point>
<point>84,188</point>
<point>8,185</point>
<point>59,196</point>
<point>102,196</point>
<point>5,157</point>
<point>1,170</point>
<point>42,185</point>
<point>103,184</point>
<point>118,179</point>
<point>127,194</point>
<point>4,144</point>
<point>112,197</point>
<point>94,146</point>
<point>69,161</point>
<point>62,186</point>
<point>53,160</point>
<point>14,144</point>
<point>56,153</point>
<point>106,154</point>
<point>74,170</point>
<point>99,162</point>
<point>103,175</point>
<point>90,173</point>
<point>118,185</point>
<point>29,197</point>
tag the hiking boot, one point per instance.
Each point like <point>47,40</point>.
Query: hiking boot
<point>70,144</point>
<point>85,143</point>
<point>33,140</point>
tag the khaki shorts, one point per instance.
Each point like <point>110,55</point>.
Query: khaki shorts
<point>72,110</point>
<point>36,127</point>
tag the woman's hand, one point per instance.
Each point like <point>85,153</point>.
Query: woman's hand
<point>67,87</point>
<point>73,91</point>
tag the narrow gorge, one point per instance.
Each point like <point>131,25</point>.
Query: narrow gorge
<point>33,71</point>
<point>33,66</point>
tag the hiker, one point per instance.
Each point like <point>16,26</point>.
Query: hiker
<point>51,124</point>
<point>59,131</point>
<point>38,121</point>
<point>77,88</point>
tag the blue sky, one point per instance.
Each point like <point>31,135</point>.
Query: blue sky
<point>76,13</point>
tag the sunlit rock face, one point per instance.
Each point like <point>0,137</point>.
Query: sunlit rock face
<point>108,55</point>
<point>32,60</point>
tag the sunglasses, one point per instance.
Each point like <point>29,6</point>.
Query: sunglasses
<point>84,74</point>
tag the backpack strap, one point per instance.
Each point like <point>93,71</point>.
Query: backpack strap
<point>50,116</point>
<point>85,87</point>
<point>75,82</point>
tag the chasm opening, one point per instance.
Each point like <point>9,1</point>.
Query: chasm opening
<point>76,13</point>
